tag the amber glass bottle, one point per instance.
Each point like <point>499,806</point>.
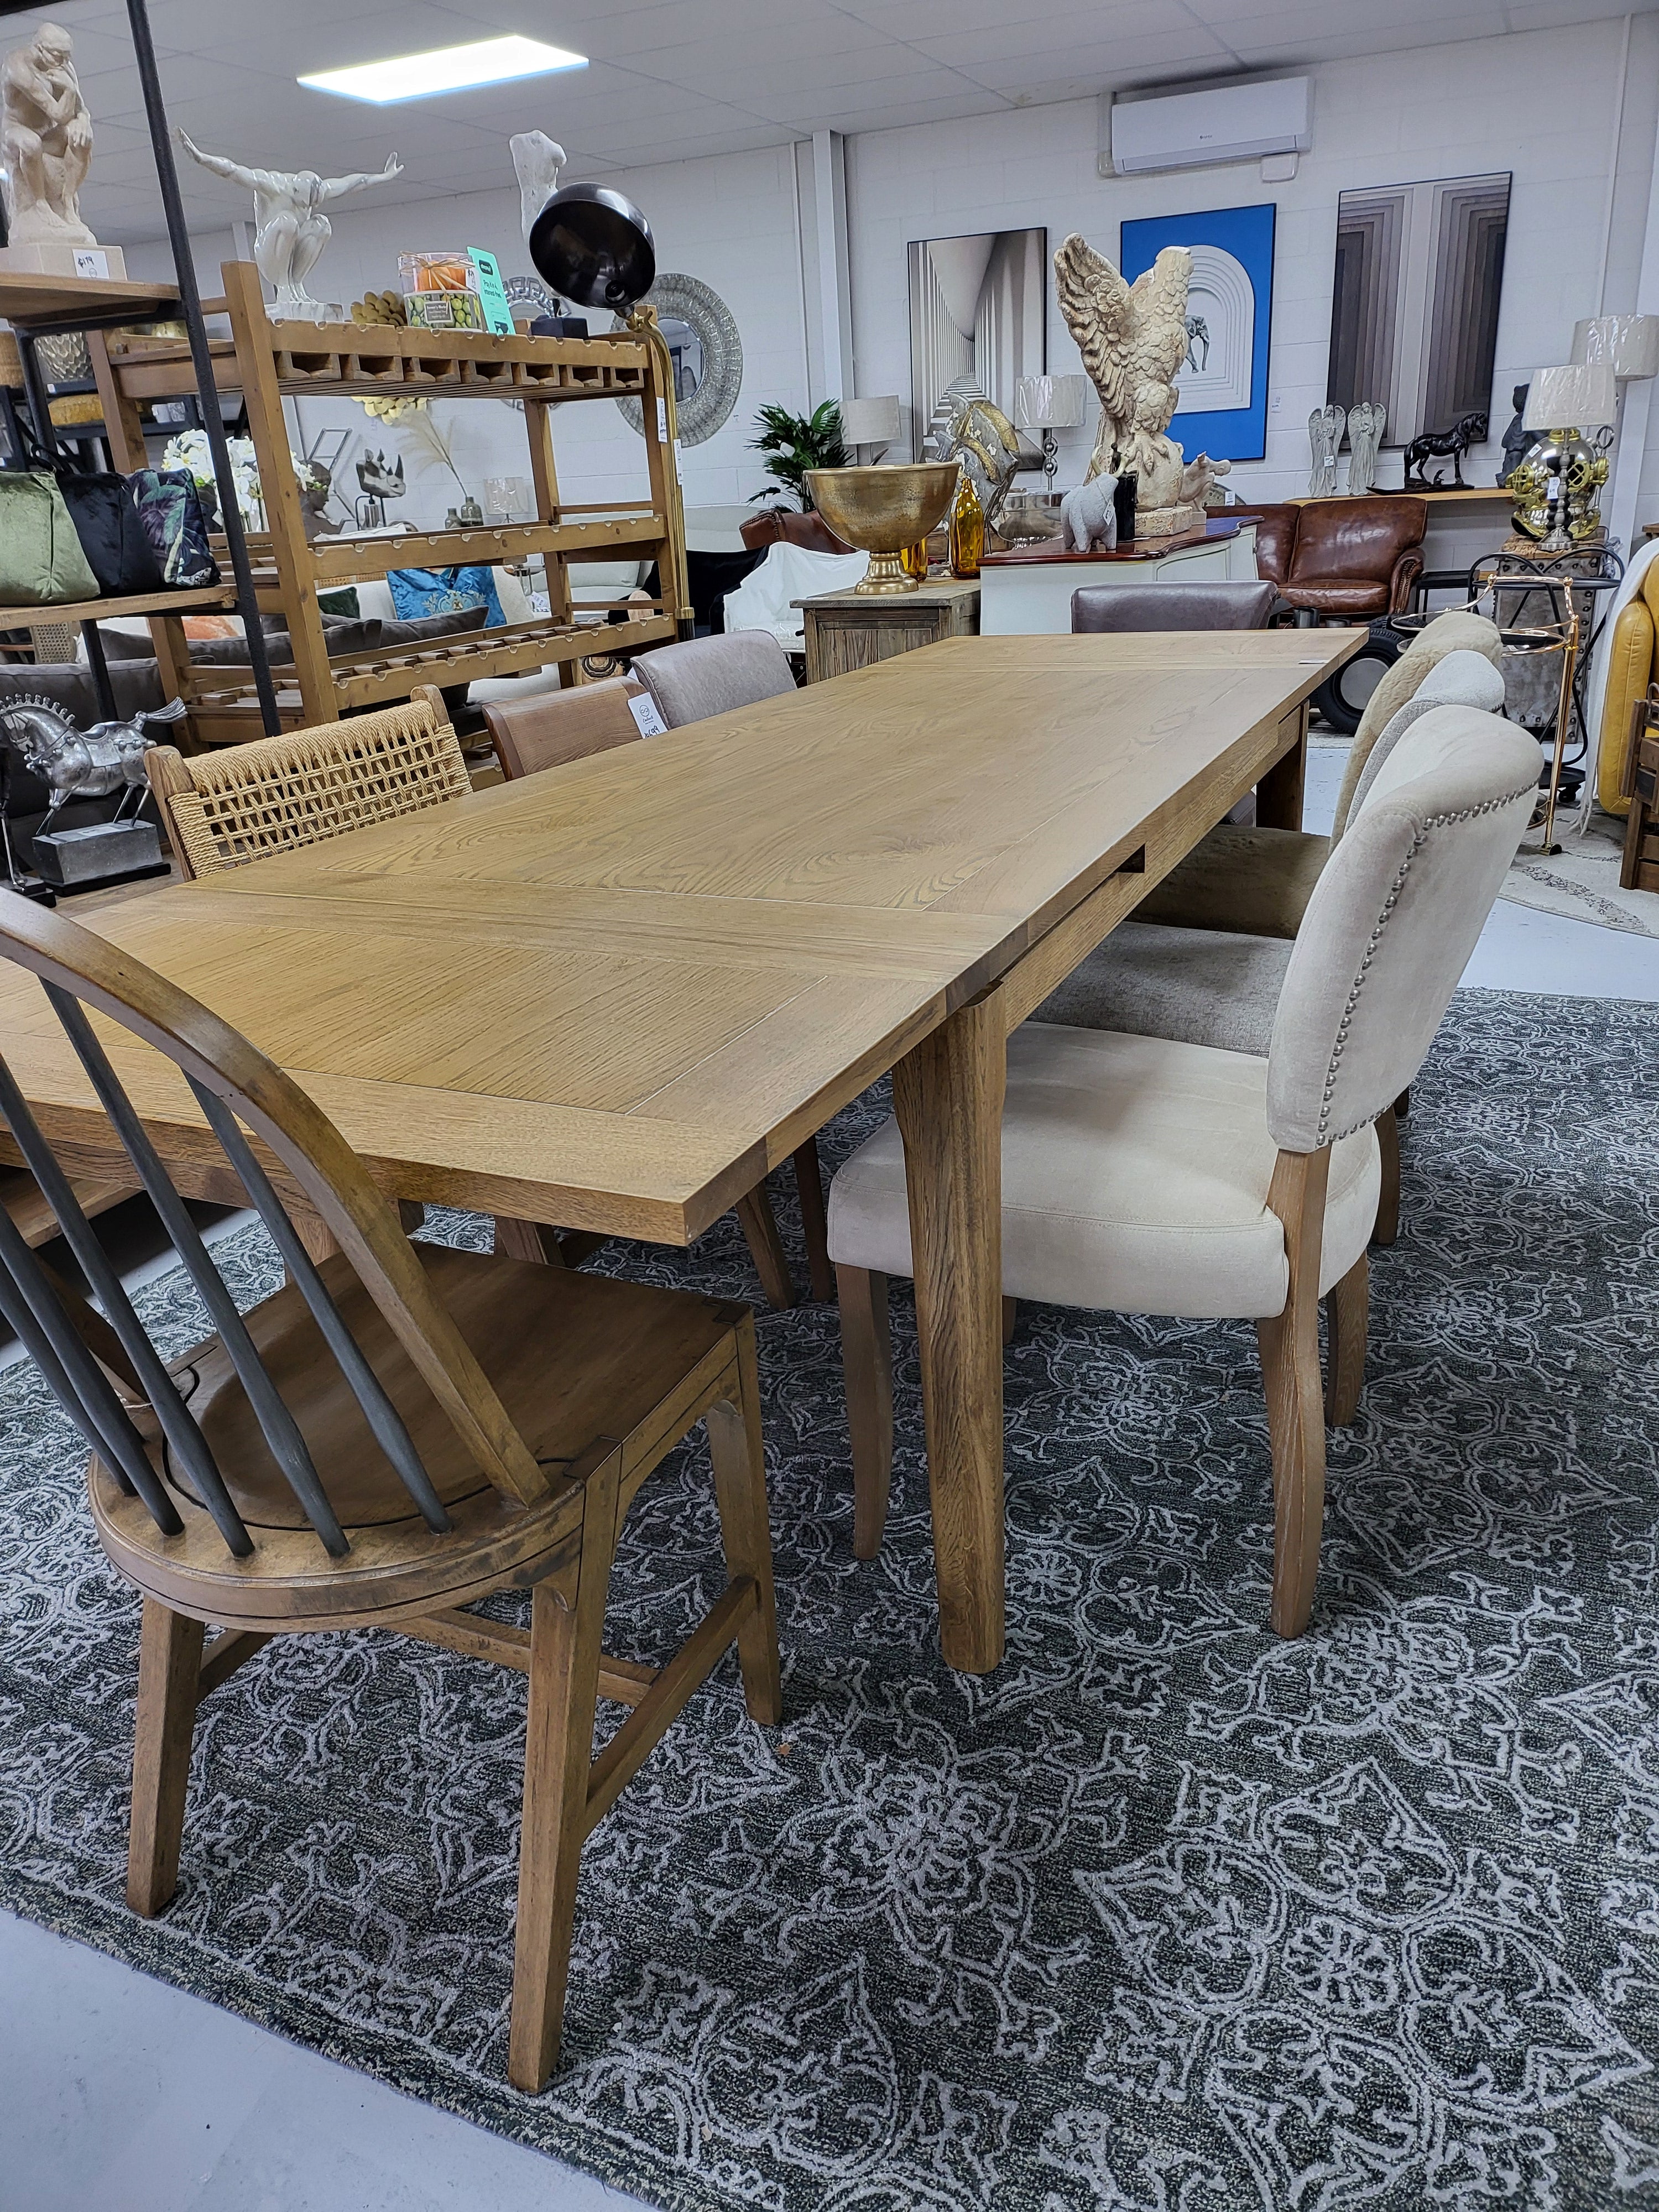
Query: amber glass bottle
<point>967,530</point>
<point>914,561</point>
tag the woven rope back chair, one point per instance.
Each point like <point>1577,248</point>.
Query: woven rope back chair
<point>395,1434</point>
<point>239,804</point>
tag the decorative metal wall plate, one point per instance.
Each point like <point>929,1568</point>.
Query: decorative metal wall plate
<point>530,292</point>
<point>707,319</point>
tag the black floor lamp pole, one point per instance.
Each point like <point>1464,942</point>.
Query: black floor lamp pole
<point>190,301</point>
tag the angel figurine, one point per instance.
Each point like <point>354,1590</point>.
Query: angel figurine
<point>289,228</point>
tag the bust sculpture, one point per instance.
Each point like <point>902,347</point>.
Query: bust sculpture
<point>45,141</point>
<point>537,161</point>
<point>1133,339</point>
<point>289,228</point>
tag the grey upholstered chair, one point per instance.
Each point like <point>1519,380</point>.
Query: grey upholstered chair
<point>1143,1175</point>
<point>712,675</point>
<point>1240,877</point>
<point>1101,607</point>
<point>1221,987</point>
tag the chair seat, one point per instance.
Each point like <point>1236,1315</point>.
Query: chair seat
<point>1246,879</point>
<point>1209,987</point>
<point>1134,1180</point>
<point>578,1361</point>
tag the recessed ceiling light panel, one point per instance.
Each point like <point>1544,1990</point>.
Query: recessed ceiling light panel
<point>451,69</point>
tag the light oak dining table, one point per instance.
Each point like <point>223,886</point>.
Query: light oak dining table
<point>611,996</point>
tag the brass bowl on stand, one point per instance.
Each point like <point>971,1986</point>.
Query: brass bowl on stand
<point>882,510</point>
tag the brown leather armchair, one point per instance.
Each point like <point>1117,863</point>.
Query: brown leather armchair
<point>810,530</point>
<point>1351,557</point>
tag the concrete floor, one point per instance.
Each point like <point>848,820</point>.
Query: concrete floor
<point>121,2092</point>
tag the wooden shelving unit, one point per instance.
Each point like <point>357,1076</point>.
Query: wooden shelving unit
<point>212,599</point>
<point>267,362</point>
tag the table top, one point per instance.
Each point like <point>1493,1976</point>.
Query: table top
<point>611,995</point>
<point>1049,552</point>
<point>29,301</point>
<point>937,592</point>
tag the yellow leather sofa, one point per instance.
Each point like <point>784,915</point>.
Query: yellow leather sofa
<point>1632,664</point>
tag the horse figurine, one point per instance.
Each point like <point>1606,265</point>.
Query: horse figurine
<point>77,764</point>
<point>1467,430</point>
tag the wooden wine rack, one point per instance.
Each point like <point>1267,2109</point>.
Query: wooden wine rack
<point>269,362</point>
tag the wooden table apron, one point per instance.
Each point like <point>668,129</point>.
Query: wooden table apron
<point>611,996</point>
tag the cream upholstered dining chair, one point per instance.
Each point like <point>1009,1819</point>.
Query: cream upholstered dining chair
<point>1144,1176</point>
<point>1221,987</point>
<point>709,676</point>
<point>1259,880</point>
<point>395,1435</point>
<point>222,810</point>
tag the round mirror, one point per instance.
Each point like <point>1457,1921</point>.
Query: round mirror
<point>707,353</point>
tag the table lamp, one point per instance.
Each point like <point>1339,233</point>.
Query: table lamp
<point>871,423</point>
<point>1627,344</point>
<point>1050,403</point>
<point>1558,485</point>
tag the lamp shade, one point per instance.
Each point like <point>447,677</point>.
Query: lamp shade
<point>1628,344</point>
<point>870,422</point>
<point>1049,402</point>
<point>1580,396</point>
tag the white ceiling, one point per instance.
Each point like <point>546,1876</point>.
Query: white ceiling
<point>670,80</point>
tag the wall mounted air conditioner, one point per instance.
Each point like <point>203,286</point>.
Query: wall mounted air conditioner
<point>1197,130</point>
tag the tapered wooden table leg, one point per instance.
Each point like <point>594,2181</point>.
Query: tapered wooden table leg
<point>948,1096</point>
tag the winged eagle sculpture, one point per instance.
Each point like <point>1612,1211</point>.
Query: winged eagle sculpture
<point>1134,340</point>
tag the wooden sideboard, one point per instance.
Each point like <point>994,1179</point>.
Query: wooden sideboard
<point>854,629</point>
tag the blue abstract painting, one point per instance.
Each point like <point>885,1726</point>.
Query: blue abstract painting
<point>1224,380</point>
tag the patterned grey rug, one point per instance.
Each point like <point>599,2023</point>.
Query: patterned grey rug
<point>1165,1916</point>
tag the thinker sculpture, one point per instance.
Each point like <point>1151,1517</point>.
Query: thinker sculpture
<point>289,228</point>
<point>1133,339</point>
<point>45,141</point>
<point>537,160</point>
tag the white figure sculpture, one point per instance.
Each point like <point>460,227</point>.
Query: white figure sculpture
<point>1325,428</point>
<point>1365,426</point>
<point>1088,517</point>
<point>537,160</point>
<point>45,141</point>
<point>290,229</point>
<point>1133,339</point>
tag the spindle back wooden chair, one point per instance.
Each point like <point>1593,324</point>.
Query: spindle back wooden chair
<point>395,1434</point>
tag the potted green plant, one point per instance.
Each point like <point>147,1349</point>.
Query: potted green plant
<point>794,443</point>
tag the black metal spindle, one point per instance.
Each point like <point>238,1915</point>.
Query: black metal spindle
<point>377,1410</point>
<point>177,1424</point>
<point>189,301</point>
<point>80,1384</point>
<point>281,1430</point>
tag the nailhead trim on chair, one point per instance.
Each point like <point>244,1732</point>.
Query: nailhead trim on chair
<point>1433,822</point>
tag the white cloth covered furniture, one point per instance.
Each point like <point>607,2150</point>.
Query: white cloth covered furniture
<point>1147,1176</point>
<point>764,600</point>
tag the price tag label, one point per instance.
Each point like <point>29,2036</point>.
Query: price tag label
<point>662,421</point>
<point>647,718</point>
<point>492,293</point>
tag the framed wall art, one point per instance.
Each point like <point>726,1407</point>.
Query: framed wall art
<point>978,311</point>
<point>1419,282</point>
<point>1223,382</point>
